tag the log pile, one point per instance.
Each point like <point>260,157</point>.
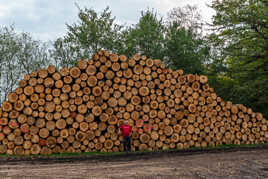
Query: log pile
<point>80,109</point>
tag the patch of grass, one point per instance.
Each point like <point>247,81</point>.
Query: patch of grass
<point>60,155</point>
<point>230,146</point>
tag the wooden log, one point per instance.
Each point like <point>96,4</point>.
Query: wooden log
<point>97,91</point>
<point>27,77</point>
<point>22,83</point>
<point>109,75</point>
<point>203,79</point>
<point>168,130</point>
<point>112,120</point>
<point>114,57</point>
<point>108,144</point>
<point>61,124</point>
<point>96,110</point>
<point>35,149</point>
<point>51,142</point>
<point>56,76</point>
<point>43,73</point>
<point>144,138</point>
<point>48,82</point>
<point>50,125</point>
<point>19,105</point>
<point>64,71</point>
<point>39,88</point>
<point>28,90</point>
<point>19,91</point>
<point>44,133</point>
<point>190,78</point>
<point>82,64</point>
<point>67,79</point>
<point>192,108</point>
<point>12,97</point>
<point>51,69</point>
<point>75,72</point>
<point>92,81</point>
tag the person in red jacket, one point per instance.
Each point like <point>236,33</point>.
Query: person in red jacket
<point>126,131</point>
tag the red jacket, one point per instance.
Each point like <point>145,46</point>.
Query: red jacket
<point>126,130</point>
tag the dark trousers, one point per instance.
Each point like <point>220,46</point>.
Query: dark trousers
<point>127,143</point>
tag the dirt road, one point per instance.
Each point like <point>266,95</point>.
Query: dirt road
<point>239,164</point>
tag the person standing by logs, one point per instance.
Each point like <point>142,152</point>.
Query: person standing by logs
<point>125,130</point>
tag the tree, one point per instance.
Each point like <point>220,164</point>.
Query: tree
<point>178,41</point>
<point>186,47</point>
<point>64,54</point>
<point>240,39</point>
<point>19,54</point>
<point>187,17</point>
<point>185,50</point>
<point>9,49</point>
<point>242,32</point>
<point>151,36</point>
<point>93,32</point>
<point>33,54</point>
<point>147,36</point>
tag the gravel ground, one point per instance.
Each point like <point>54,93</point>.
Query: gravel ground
<point>235,164</point>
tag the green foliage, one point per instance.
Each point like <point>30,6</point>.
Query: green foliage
<point>185,50</point>
<point>147,36</point>
<point>242,32</point>
<point>223,86</point>
<point>19,54</point>
<point>240,40</point>
<point>151,36</point>
<point>186,47</point>
<point>63,54</point>
<point>93,32</point>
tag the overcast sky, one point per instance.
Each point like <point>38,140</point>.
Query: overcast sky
<point>46,19</point>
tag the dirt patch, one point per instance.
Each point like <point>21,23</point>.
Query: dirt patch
<point>234,164</point>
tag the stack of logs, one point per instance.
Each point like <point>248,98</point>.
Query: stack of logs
<point>80,109</point>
